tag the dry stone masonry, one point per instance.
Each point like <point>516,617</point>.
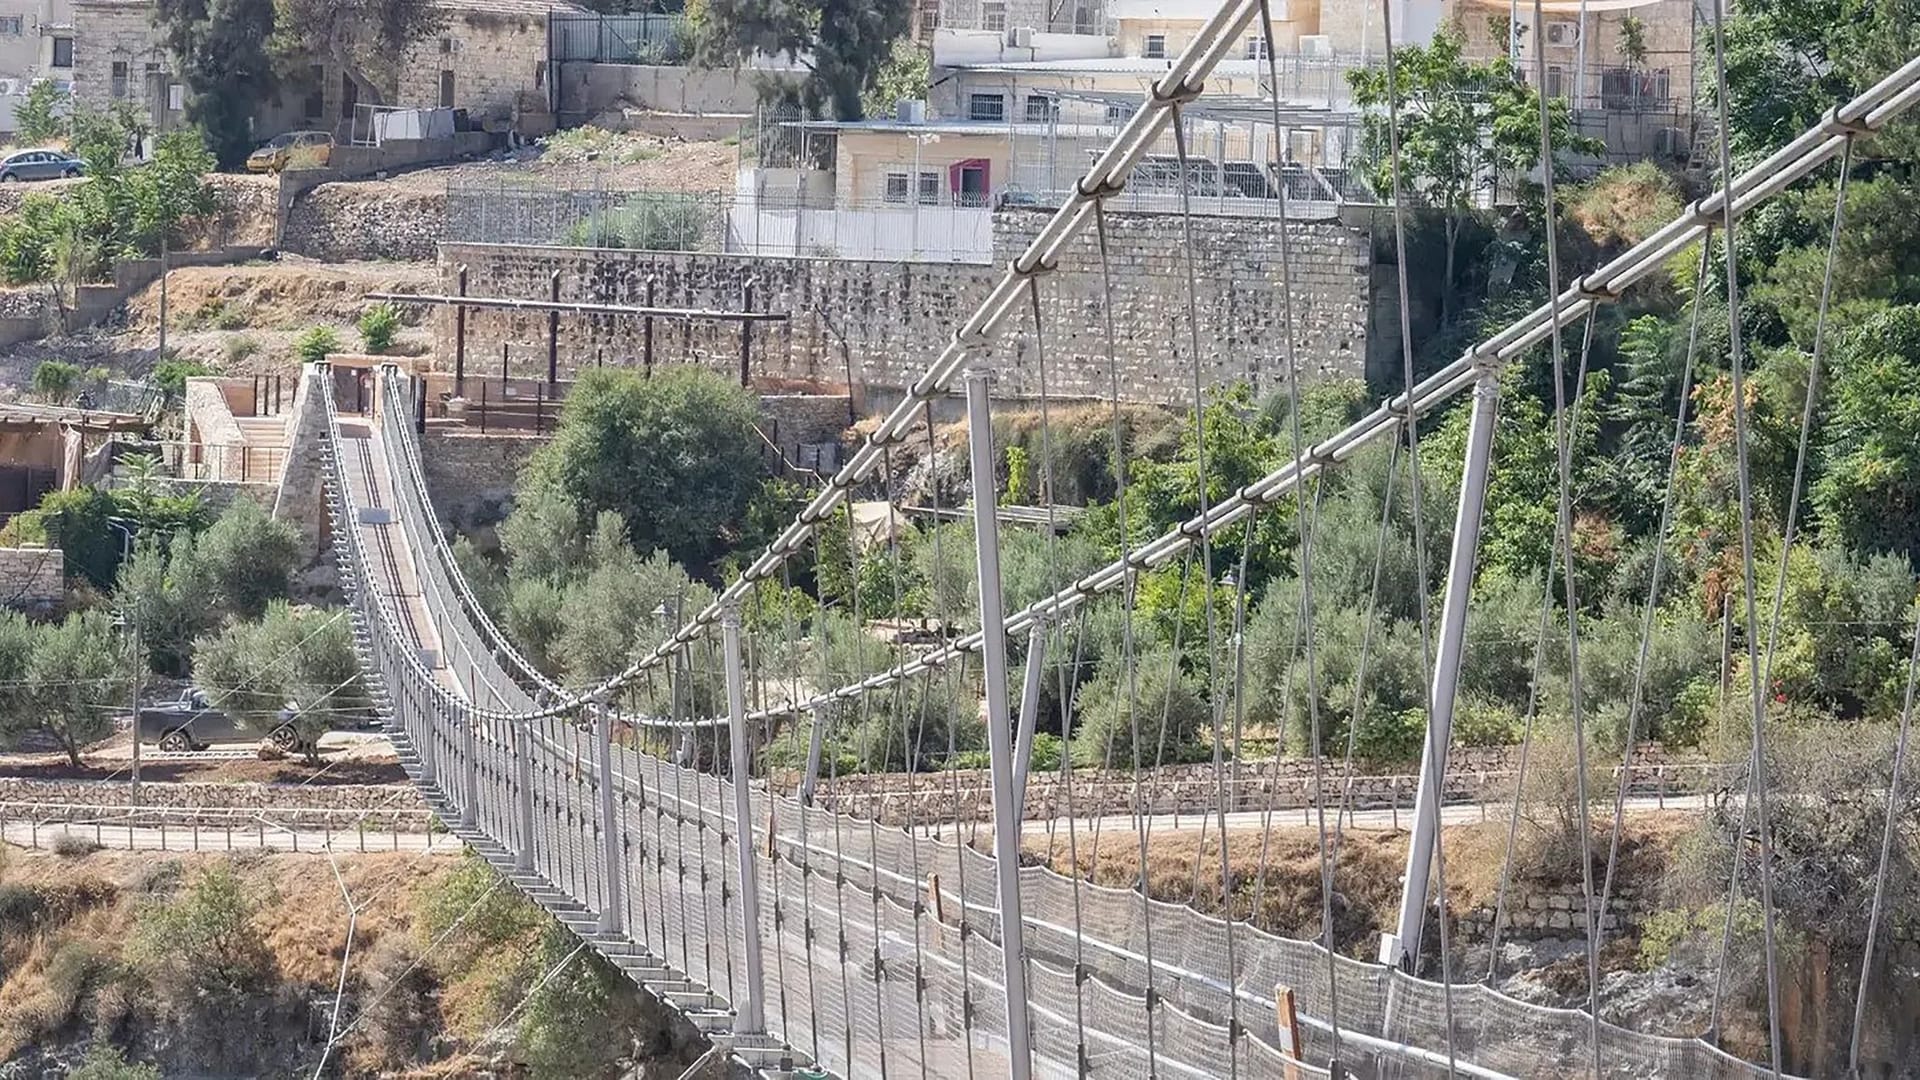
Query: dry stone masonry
<point>884,321</point>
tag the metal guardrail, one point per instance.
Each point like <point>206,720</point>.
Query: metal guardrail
<point>207,828</point>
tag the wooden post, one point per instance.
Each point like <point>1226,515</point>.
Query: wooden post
<point>503,369</point>
<point>553,330</point>
<point>483,406</point>
<point>1287,1023</point>
<point>647,327</point>
<point>746,339</point>
<point>460,338</point>
<point>933,895</point>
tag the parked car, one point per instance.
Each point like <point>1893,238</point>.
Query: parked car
<point>190,722</point>
<point>39,165</point>
<point>306,147</point>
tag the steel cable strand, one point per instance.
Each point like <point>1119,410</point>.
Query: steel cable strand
<point>1880,876</point>
<point>1418,505</point>
<point>1532,714</point>
<point>1636,700</point>
<point>839,848</point>
<point>791,630</point>
<point>1298,630</point>
<point>867,769</point>
<point>910,750</point>
<point>755,681</point>
<point>1791,531</point>
<point>1191,256</point>
<point>945,616</point>
<point>1345,811</point>
<point>1758,776</point>
<point>1564,436</point>
<point>1305,528</point>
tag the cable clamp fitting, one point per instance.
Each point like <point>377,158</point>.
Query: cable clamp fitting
<point>1178,95</point>
<point>1834,124</point>
<point>1026,271</point>
<point>1699,212</point>
<point>1595,293</point>
<point>1107,189</point>
<point>975,341</point>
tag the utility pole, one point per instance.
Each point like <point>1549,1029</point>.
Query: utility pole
<point>139,660</point>
<point>163,298</point>
<point>131,613</point>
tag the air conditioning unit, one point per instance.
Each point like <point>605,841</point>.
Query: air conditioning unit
<point>1670,142</point>
<point>910,111</point>
<point>1316,45</point>
<point>1020,37</point>
<point>1564,34</point>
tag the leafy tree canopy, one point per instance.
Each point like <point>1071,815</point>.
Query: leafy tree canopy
<point>845,45</point>
<point>676,456</point>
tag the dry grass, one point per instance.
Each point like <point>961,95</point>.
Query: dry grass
<point>60,969</point>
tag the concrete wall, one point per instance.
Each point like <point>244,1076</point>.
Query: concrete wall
<point>887,320</point>
<point>588,89</point>
<point>470,476</point>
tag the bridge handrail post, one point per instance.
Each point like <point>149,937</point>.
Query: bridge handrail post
<point>750,1015</point>
<point>469,768</point>
<point>523,795</point>
<point>610,908</point>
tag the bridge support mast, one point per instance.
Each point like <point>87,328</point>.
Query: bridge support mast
<point>1403,948</point>
<point>750,1016</point>
<point>993,657</point>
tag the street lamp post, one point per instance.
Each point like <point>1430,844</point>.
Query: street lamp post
<point>132,616</point>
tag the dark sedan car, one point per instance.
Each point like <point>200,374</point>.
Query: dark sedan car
<point>39,165</point>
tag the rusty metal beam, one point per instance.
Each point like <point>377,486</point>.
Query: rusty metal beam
<point>501,302</point>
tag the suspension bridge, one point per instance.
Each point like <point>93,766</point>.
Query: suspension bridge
<point>804,940</point>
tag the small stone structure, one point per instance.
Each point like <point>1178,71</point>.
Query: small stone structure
<point>32,578</point>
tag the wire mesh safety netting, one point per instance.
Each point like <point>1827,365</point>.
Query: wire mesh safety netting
<point>881,944</point>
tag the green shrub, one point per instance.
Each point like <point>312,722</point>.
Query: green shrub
<point>1161,699</point>
<point>239,347</point>
<point>41,116</point>
<point>203,941</point>
<point>171,374</point>
<point>653,222</point>
<point>314,345</point>
<point>1481,722</point>
<point>378,324</point>
<point>55,380</point>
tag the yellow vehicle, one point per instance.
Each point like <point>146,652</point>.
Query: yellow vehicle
<point>307,148</point>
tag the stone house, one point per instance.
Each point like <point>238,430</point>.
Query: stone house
<point>489,57</point>
<point>36,40</point>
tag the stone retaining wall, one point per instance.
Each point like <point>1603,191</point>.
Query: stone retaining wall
<point>1474,774</point>
<point>387,807</point>
<point>893,318</point>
